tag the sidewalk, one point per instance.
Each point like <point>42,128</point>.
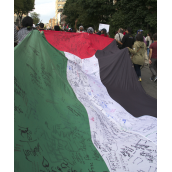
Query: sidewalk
<point>149,86</point>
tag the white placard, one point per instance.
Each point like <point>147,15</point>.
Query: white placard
<point>104,26</point>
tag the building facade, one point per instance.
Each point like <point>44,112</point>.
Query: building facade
<point>58,10</point>
<point>51,23</point>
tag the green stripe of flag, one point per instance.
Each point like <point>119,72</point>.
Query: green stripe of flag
<point>51,127</point>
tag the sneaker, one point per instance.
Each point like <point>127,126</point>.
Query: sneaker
<point>140,79</point>
<point>155,79</point>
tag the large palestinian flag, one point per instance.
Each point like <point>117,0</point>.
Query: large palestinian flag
<point>79,107</point>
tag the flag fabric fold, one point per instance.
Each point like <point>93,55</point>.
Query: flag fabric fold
<point>65,116</point>
<point>120,79</point>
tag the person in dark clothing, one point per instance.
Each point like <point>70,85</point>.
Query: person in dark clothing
<point>99,32</point>
<point>41,26</point>
<point>138,32</point>
<point>127,40</point>
<point>56,28</point>
<point>124,32</point>
<point>104,33</point>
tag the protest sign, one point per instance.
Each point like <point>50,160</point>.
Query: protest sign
<point>104,26</point>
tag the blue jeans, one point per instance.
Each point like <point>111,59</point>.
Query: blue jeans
<point>148,52</point>
<point>138,70</point>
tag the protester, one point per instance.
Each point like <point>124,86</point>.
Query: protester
<point>138,32</point>
<point>141,32</point>
<point>153,58</point>
<point>41,26</point>
<point>27,24</point>
<point>119,37</point>
<point>90,30</point>
<point>104,33</point>
<point>148,40</point>
<point>56,28</point>
<point>127,40</point>
<point>144,40</point>
<point>81,28</point>
<point>138,52</point>
<point>116,32</point>
<point>15,35</point>
<point>99,32</point>
<point>124,32</point>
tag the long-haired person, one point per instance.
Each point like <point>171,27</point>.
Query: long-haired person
<point>138,57</point>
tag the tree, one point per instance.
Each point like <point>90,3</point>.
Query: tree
<point>89,13</point>
<point>137,14</point>
<point>71,11</point>
<point>23,7</point>
<point>117,21</point>
<point>35,17</point>
<point>29,5</point>
<point>18,5</point>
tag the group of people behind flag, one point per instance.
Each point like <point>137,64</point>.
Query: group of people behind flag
<point>140,49</point>
<point>27,26</point>
<point>137,45</point>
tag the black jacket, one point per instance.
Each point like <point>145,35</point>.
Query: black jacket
<point>127,40</point>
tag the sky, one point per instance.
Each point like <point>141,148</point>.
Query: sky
<point>46,9</point>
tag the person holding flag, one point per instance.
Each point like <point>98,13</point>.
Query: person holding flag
<point>81,28</point>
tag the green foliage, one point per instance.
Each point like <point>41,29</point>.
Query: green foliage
<point>35,17</point>
<point>29,5</point>
<point>117,21</point>
<point>137,14</point>
<point>89,13</point>
<point>71,10</point>
<point>18,4</point>
<point>151,19</point>
<point>23,6</point>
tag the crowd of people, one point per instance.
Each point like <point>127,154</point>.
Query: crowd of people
<point>139,47</point>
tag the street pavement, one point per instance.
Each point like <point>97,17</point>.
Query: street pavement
<point>149,86</point>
